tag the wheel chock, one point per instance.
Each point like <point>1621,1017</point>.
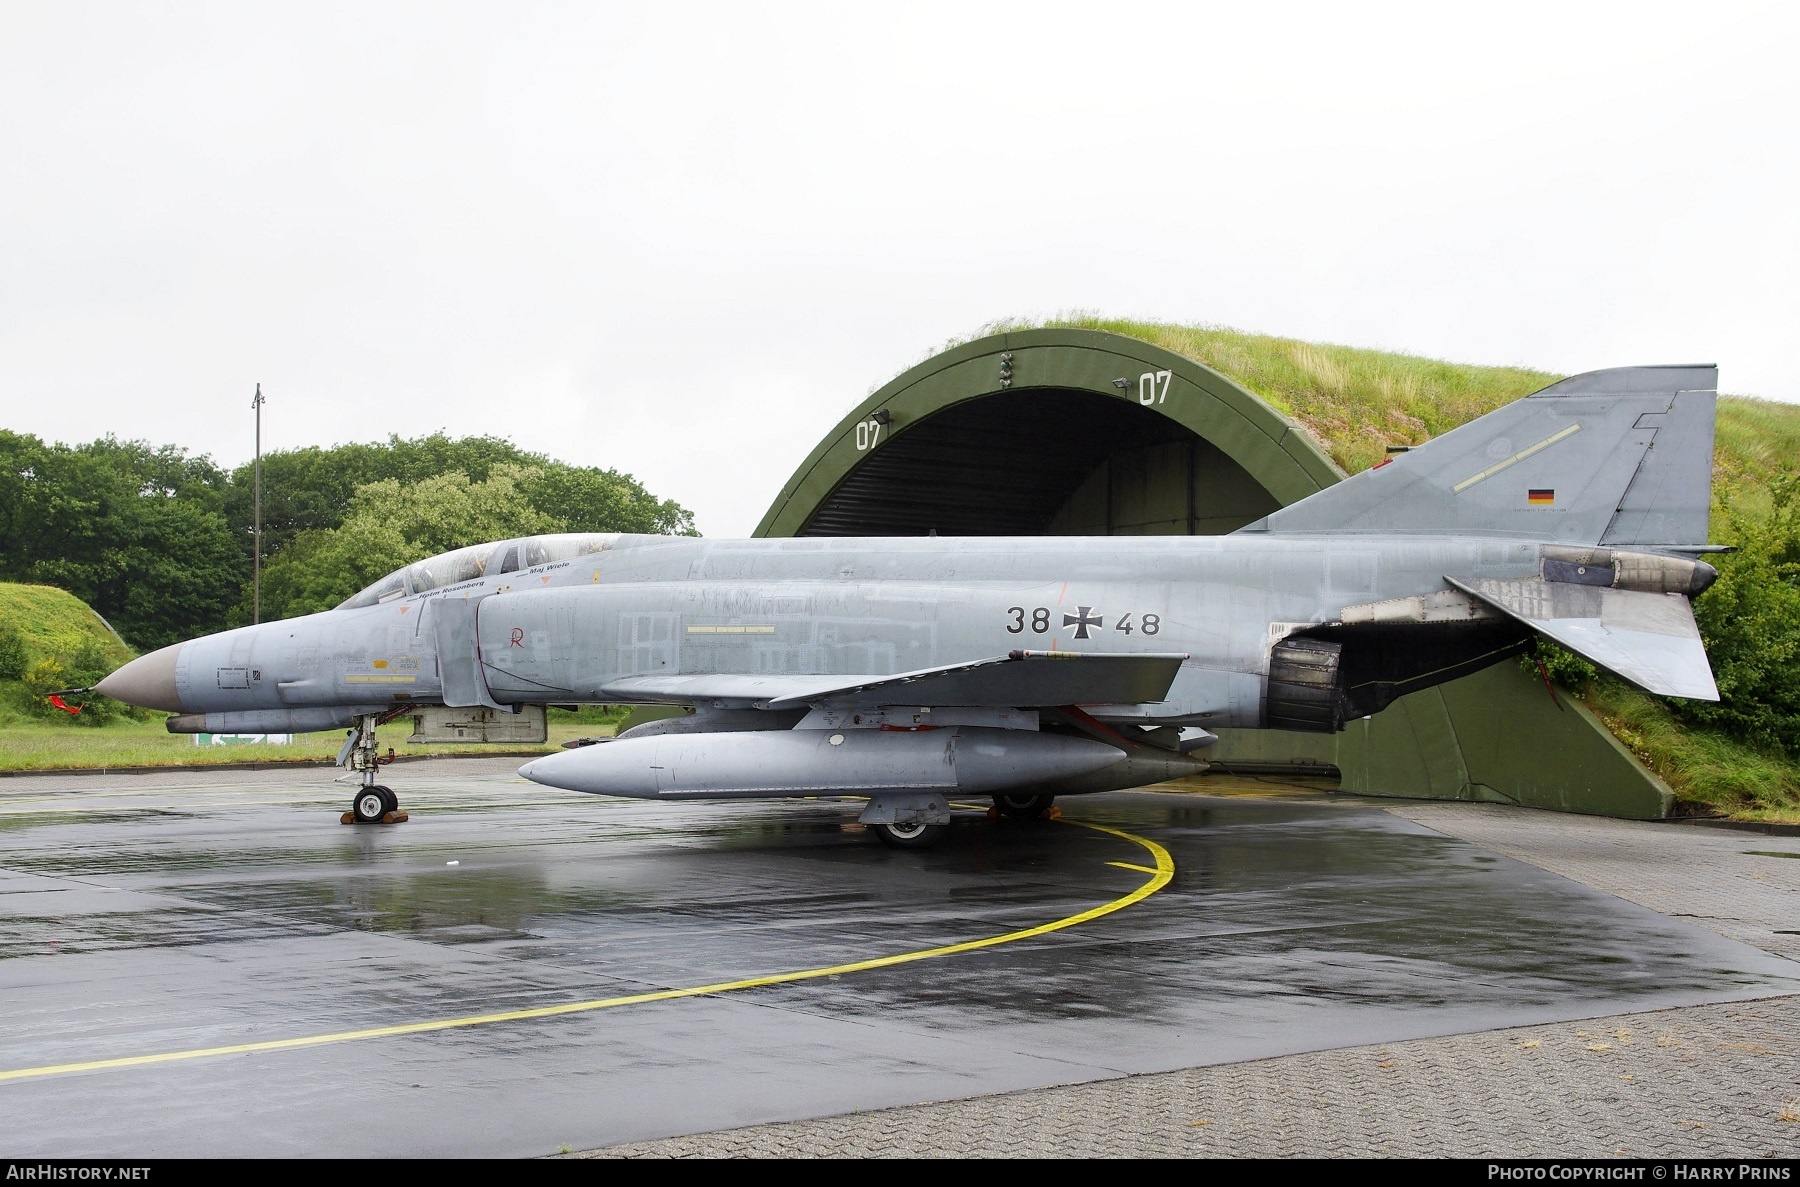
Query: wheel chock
<point>993,814</point>
<point>1053,813</point>
<point>396,817</point>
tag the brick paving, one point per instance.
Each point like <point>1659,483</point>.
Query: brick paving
<point>1705,1081</point>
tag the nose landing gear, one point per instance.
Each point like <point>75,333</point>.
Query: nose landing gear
<point>374,804</point>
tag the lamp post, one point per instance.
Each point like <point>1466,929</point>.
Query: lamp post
<point>256,530</point>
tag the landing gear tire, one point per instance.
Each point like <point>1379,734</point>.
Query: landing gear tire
<point>910,836</point>
<point>372,803</point>
<point>1024,807</point>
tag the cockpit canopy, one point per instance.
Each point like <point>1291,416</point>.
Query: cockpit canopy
<point>480,560</point>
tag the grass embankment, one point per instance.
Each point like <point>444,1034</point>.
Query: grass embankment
<point>1356,402</point>
<point>53,622</point>
<point>1712,774</point>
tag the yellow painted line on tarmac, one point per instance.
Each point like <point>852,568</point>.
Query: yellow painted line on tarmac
<point>1159,878</point>
<point>1125,865</point>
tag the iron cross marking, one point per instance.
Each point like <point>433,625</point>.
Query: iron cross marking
<point>1082,621</point>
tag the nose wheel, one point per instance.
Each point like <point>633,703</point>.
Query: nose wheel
<point>374,804</point>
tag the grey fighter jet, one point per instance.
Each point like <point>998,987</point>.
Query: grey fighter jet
<point>909,670</point>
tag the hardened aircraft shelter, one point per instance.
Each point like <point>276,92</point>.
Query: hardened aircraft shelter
<point>1077,432</point>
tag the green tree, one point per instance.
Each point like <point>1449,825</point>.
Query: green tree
<point>137,532</point>
<point>160,542</point>
<point>584,499</point>
<point>391,524</point>
<point>312,489</point>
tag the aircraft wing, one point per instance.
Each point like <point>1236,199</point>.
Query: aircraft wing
<point>1649,639</point>
<point>1019,679</point>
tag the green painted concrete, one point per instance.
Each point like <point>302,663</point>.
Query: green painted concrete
<point>1496,735</point>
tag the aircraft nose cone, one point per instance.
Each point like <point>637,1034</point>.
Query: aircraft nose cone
<point>147,681</point>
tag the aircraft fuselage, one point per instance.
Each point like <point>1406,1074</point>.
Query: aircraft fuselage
<point>660,606</point>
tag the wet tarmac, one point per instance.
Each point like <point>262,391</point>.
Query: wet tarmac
<point>161,915</point>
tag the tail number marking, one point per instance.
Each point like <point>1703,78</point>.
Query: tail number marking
<point>1086,619</point>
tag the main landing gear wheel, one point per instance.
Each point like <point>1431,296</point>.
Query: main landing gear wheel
<point>912,835</point>
<point>1024,807</point>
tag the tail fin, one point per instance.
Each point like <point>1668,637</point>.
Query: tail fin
<point>1610,457</point>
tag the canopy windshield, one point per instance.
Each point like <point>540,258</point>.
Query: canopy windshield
<point>467,564</point>
<point>543,550</point>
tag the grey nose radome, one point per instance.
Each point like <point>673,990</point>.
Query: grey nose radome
<point>147,681</point>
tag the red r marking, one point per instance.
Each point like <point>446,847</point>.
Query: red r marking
<point>518,636</point>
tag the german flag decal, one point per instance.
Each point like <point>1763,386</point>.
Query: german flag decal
<point>1540,498</point>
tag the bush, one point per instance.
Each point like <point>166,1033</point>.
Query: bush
<point>84,669</point>
<point>41,679</point>
<point>1559,663</point>
<point>12,652</point>
<point>1750,620</point>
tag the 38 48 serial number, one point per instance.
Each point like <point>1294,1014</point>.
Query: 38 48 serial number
<point>1085,620</point>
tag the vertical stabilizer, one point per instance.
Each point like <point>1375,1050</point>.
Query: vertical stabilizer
<point>1616,457</point>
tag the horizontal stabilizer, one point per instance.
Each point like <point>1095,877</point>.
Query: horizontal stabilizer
<point>1648,639</point>
<point>1021,679</point>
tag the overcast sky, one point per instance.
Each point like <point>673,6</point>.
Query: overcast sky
<point>683,240</point>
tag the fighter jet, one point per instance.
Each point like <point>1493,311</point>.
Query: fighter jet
<point>912,670</point>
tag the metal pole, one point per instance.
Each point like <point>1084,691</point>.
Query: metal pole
<point>256,532</point>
